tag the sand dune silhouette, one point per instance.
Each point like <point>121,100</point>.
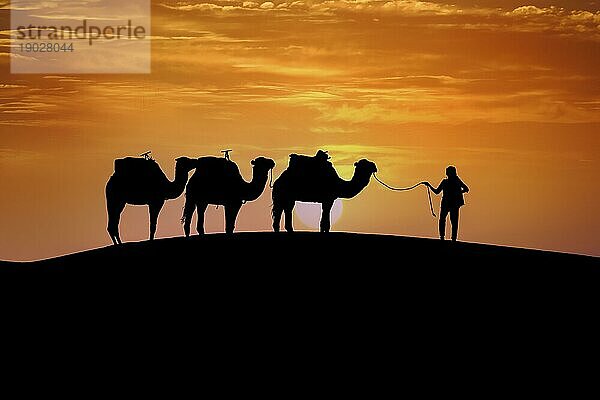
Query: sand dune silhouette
<point>317,253</point>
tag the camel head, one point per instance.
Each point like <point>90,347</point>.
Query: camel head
<point>185,163</point>
<point>365,167</point>
<point>263,163</point>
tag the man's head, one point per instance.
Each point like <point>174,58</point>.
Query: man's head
<point>451,171</point>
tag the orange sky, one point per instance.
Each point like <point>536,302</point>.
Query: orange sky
<point>507,91</point>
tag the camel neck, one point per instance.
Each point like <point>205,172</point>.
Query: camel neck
<point>256,186</point>
<point>176,187</point>
<point>354,186</point>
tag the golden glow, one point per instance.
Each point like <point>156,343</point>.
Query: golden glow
<point>507,92</point>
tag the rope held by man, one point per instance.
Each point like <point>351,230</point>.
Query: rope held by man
<point>409,188</point>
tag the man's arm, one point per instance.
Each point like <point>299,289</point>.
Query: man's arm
<point>463,187</point>
<point>436,190</point>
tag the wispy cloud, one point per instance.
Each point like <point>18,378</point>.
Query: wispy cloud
<point>352,62</point>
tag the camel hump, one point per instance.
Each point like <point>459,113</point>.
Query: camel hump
<point>217,164</point>
<point>136,166</point>
<point>317,163</point>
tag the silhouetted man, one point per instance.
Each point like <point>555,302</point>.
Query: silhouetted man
<point>452,200</point>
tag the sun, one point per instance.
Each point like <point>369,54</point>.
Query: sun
<point>310,213</point>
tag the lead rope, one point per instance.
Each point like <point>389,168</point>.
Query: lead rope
<point>409,188</point>
<point>430,203</point>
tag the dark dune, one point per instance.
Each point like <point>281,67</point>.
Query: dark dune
<point>307,253</point>
<point>303,282</point>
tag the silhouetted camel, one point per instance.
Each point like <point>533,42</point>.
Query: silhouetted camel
<point>218,181</point>
<point>140,181</point>
<point>313,179</point>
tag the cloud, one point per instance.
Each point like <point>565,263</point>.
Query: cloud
<point>23,122</point>
<point>193,7</point>
<point>268,67</point>
<point>326,60</point>
<point>9,86</point>
<point>205,36</point>
<point>22,111</point>
<point>529,10</point>
<point>525,18</point>
<point>399,6</point>
<point>556,18</point>
<point>409,6</point>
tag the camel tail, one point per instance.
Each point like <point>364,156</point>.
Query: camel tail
<point>182,220</point>
<point>274,196</point>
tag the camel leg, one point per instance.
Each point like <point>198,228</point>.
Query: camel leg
<point>188,213</point>
<point>154,211</point>
<point>288,210</point>
<point>200,223</point>
<point>114,209</point>
<point>231,213</point>
<point>277,211</point>
<point>326,216</point>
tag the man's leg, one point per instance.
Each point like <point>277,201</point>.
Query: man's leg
<point>454,222</point>
<point>443,213</point>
